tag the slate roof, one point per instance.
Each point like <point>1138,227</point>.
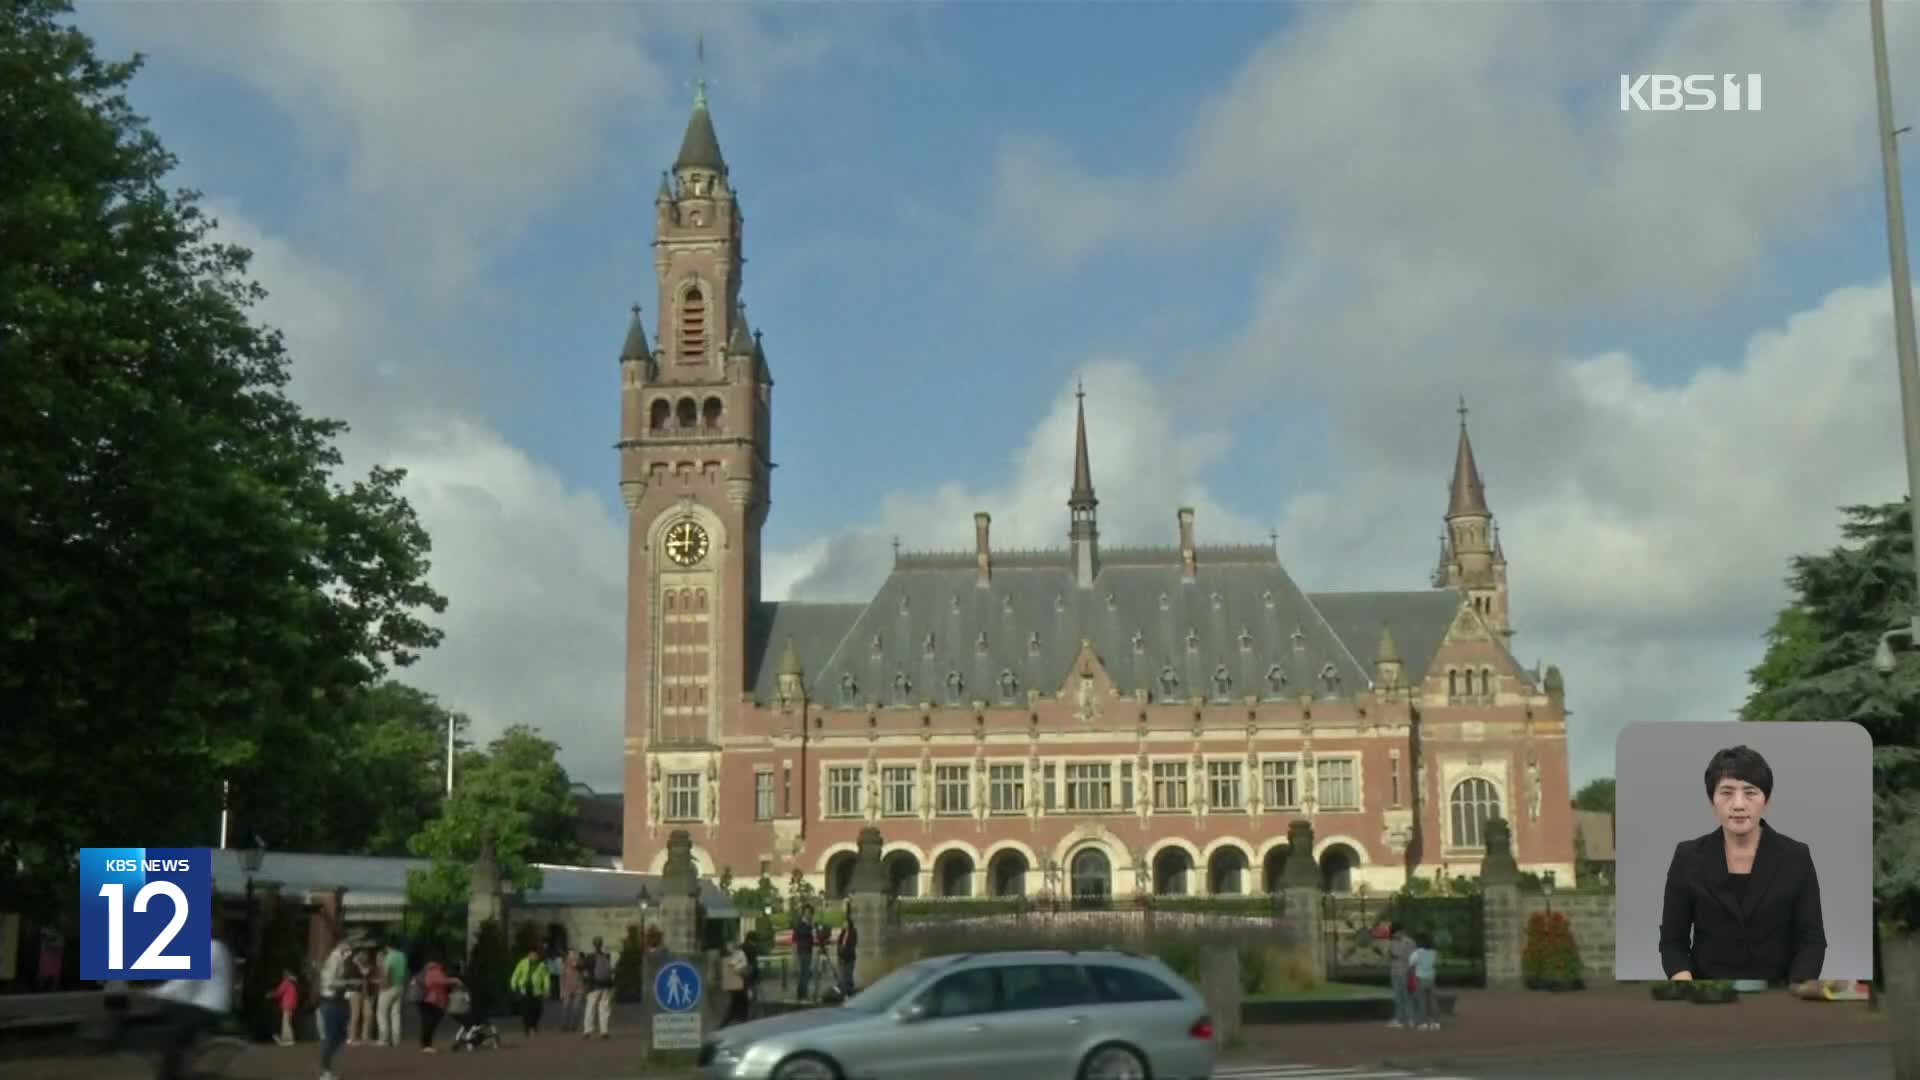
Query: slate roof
<point>1243,613</point>
<point>700,147</point>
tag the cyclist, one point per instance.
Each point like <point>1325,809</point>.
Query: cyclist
<point>191,1007</point>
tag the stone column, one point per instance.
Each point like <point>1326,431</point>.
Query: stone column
<point>324,930</point>
<point>867,901</point>
<point>1220,985</point>
<point>1300,886</point>
<point>680,903</point>
<point>1503,925</point>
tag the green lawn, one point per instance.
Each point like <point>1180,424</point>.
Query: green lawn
<point>1324,992</point>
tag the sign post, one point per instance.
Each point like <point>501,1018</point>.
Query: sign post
<point>676,997</point>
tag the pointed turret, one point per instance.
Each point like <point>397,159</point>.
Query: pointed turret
<point>790,660</point>
<point>665,195</point>
<point>1084,533</point>
<point>1386,660</point>
<point>700,147</point>
<point>1469,495</point>
<point>635,350</point>
<point>740,341</point>
<point>792,685</point>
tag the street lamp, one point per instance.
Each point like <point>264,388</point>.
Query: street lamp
<point>1546,886</point>
<point>251,859</point>
<point>1903,333</point>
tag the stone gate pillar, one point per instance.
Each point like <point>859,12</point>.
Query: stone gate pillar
<point>680,915</point>
<point>1300,886</point>
<point>483,896</point>
<point>867,904</point>
<point>1503,925</point>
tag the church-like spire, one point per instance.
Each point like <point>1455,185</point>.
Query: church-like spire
<point>1469,495</point>
<point>1387,651</point>
<point>636,346</point>
<point>700,147</point>
<point>1082,496</point>
<point>789,660</point>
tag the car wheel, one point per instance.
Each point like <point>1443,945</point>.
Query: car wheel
<point>806,1067</point>
<point>1113,1062</point>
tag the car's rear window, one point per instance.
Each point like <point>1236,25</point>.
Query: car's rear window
<point>1121,985</point>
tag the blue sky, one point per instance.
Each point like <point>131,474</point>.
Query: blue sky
<point>1277,251</point>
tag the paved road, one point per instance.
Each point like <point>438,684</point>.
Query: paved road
<point>1809,1061</point>
<point>1279,1071</point>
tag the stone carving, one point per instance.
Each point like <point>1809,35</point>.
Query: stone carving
<point>653,802</point>
<point>1246,640</point>
<point>1533,790</point>
<point>849,687</point>
<point>1193,640</point>
<point>902,686</point>
<point>1214,599</point>
<point>955,685</point>
<point>1169,681</point>
<point>1033,643</point>
<point>1088,708</point>
<point>1139,642</point>
<point>926,788</point>
<point>879,647</point>
<point>653,772</point>
<point>1330,678</point>
<point>904,605</point>
<point>1222,682</point>
<point>679,876</point>
<point>980,643</point>
<point>713,800</point>
<point>1276,680</point>
<point>873,792</point>
<point>1009,683</point>
<point>980,789</point>
<point>1163,601</point>
<point>869,870</point>
<point>1499,867</point>
<point>1266,597</point>
<point>926,646</point>
<point>1006,604</point>
<point>1300,871</point>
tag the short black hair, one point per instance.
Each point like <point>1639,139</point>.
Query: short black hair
<point>1742,763</point>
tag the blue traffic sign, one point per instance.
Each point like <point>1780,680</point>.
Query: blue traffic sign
<point>677,987</point>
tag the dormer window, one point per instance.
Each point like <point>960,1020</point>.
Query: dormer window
<point>693,325</point>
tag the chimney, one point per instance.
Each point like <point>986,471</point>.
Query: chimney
<point>1188,563</point>
<point>982,551</point>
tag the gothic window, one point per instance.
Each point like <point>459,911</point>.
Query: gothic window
<point>672,598</point>
<point>1276,679</point>
<point>1246,640</point>
<point>1486,681</point>
<point>1033,643</point>
<point>710,412</point>
<point>700,601</point>
<point>902,686</point>
<point>661,415</point>
<point>1330,677</point>
<point>1169,681</point>
<point>686,599</point>
<point>980,643</point>
<point>1299,639</point>
<point>1472,803</point>
<point>1267,598</point>
<point>1009,683</point>
<point>693,325</point>
<point>1222,682</point>
<point>879,647</point>
<point>1453,684</point>
<point>849,687</point>
<point>686,414</point>
<point>955,685</point>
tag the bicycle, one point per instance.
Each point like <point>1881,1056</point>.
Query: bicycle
<point>138,1040</point>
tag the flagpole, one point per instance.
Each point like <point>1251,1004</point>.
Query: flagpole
<point>224,788</point>
<point>449,755</point>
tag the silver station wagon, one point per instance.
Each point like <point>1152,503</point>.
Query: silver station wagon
<point>1049,1015</point>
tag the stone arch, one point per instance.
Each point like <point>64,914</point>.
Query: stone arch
<point>1229,867</point>
<point>1473,798</point>
<point>1338,857</point>
<point>1173,864</point>
<point>712,412</point>
<point>1082,836</point>
<point>1009,870</point>
<point>954,866</point>
<point>660,414</point>
<point>686,413</point>
<point>904,863</point>
<point>835,867</point>
<point>693,319</point>
<point>1090,868</point>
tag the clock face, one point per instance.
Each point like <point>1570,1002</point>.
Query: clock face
<point>687,542</point>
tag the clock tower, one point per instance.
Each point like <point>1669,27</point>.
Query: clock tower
<point>694,469</point>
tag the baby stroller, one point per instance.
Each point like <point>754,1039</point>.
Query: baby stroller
<point>474,1032</point>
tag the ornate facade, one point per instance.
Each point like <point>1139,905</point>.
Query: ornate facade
<point>1088,719</point>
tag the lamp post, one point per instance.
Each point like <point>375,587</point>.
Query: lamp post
<point>1908,636</point>
<point>251,859</point>
<point>1546,887</point>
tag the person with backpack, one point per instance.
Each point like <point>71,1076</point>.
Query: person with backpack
<point>599,971</point>
<point>529,985</point>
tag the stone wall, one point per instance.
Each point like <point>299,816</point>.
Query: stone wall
<point>582,924</point>
<point>1591,917</point>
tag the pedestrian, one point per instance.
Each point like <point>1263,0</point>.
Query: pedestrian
<point>750,948</point>
<point>556,961</point>
<point>529,987</point>
<point>336,976</point>
<point>1426,966</point>
<point>190,1007</point>
<point>393,986</point>
<point>287,997</point>
<point>573,992</point>
<point>733,979</point>
<point>359,972</point>
<point>1400,947</point>
<point>803,951</point>
<point>849,951</point>
<point>598,968</point>
<point>435,985</point>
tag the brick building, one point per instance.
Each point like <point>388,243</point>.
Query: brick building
<point>1088,719</point>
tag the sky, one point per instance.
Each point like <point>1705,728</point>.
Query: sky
<point>1278,255</point>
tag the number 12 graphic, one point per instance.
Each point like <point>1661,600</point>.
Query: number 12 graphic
<point>151,905</point>
<point>155,958</point>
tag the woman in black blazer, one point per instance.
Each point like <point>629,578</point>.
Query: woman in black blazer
<point>1743,901</point>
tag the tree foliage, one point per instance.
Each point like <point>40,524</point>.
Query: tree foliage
<point>1595,796</point>
<point>188,593</point>
<point>630,967</point>
<point>1818,666</point>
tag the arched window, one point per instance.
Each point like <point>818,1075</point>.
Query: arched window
<point>662,414</point>
<point>686,599</point>
<point>687,413</point>
<point>1473,801</point>
<point>1091,875</point>
<point>700,601</point>
<point>672,606</point>
<point>1453,684</point>
<point>710,413</point>
<point>1486,681</point>
<point>693,325</point>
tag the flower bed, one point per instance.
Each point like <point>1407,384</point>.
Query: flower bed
<point>1551,960</point>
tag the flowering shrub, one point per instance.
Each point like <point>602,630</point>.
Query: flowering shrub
<point>1551,954</point>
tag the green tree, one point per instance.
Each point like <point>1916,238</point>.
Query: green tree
<point>1818,666</point>
<point>488,969</point>
<point>1595,795</point>
<point>630,967</point>
<point>186,591</point>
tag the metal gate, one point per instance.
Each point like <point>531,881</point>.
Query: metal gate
<point>1455,925</point>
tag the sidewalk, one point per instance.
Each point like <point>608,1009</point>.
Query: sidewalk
<point>1524,1025</point>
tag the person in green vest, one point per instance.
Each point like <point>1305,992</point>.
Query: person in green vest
<point>529,986</point>
<point>392,989</point>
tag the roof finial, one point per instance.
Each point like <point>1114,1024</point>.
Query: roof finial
<point>1080,387</point>
<point>700,71</point>
<point>1462,410</point>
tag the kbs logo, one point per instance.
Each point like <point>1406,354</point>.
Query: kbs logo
<point>153,904</point>
<point>1689,93</point>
